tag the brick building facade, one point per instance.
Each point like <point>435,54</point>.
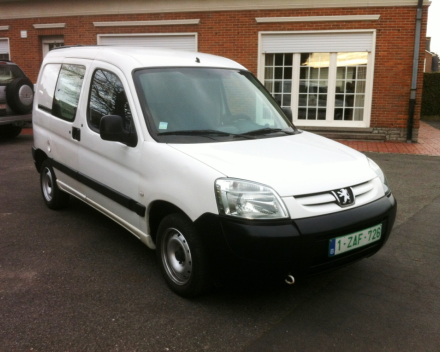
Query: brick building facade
<point>340,67</point>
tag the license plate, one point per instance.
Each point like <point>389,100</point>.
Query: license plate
<point>354,240</point>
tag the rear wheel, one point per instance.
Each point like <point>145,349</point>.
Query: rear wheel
<point>52,195</point>
<point>181,256</point>
<point>9,131</point>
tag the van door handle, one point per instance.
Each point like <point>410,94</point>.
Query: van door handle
<point>76,133</point>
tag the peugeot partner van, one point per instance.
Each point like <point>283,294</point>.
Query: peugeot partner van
<point>192,155</point>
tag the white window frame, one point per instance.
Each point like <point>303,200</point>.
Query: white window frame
<point>195,34</point>
<point>329,122</point>
<point>9,47</point>
<point>55,39</point>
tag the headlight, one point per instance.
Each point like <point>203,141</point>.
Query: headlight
<point>381,176</point>
<point>248,200</point>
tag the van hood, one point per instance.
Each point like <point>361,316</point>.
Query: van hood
<point>292,165</point>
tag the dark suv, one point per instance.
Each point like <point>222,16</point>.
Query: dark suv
<point>16,98</point>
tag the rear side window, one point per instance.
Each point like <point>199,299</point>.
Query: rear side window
<point>9,72</point>
<point>107,97</point>
<point>47,85</point>
<point>67,91</point>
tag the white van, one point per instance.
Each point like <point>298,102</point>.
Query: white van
<point>191,154</point>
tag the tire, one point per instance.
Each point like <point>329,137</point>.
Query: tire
<point>9,131</point>
<point>20,95</point>
<point>181,257</point>
<point>52,195</point>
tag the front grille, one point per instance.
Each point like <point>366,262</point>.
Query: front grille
<point>324,199</point>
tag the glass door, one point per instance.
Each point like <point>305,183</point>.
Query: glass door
<point>323,89</point>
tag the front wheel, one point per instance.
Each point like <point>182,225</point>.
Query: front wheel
<point>181,256</point>
<point>52,195</point>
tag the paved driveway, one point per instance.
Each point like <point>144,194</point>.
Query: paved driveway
<point>72,280</point>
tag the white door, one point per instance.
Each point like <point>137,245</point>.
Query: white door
<point>110,169</point>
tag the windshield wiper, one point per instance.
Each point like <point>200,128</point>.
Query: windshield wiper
<point>265,131</point>
<point>193,133</point>
<point>200,133</point>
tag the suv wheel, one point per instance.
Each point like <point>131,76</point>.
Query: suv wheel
<point>9,131</point>
<point>19,95</point>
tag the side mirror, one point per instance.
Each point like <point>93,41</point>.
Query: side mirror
<point>288,112</point>
<point>111,128</point>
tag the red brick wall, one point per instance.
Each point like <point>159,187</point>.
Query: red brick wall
<point>234,34</point>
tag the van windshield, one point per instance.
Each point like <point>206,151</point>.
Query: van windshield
<point>190,105</point>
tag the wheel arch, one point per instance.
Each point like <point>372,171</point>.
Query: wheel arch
<point>158,210</point>
<point>39,157</point>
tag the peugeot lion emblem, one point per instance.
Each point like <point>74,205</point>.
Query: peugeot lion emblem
<point>344,196</point>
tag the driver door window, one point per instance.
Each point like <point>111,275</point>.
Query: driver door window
<point>107,97</point>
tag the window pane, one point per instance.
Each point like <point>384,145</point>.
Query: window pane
<point>268,73</point>
<point>352,59</point>
<point>288,59</point>
<point>340,73</point>
<point>350,85</point>
<point>279,59</point>
<point>360,87</point>
<point>269,59</point>
<point>358,114</point>
<point>302,101</point>
<point>323,74</point>
<point>360,101</point>
<point>286,100</point>
<point>107,97</point>
<point>322,101</point>
<point>269,86</point>
<point>67,91</point>
<point>311,114</point>
<point>362,72</point>
<point>282,74</point>
<point>314,84</point>
<point>304,73</point>
<point>312,100</point>
<point>348,114</point>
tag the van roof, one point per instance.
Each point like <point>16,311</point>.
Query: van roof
<point>130,57</point>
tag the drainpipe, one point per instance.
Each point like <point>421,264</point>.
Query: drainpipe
<point>412,99</point>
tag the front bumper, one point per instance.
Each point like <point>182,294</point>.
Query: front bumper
<point>299,246</point>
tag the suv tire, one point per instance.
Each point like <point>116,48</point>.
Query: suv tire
<point>9,131</point>
<point>19,95</point>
